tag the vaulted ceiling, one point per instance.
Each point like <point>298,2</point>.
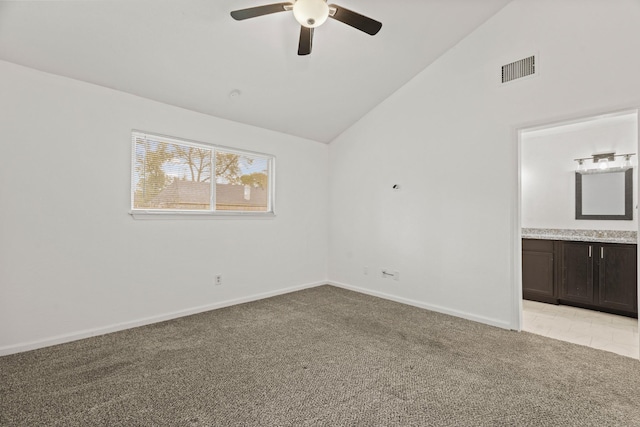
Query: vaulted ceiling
<point>192,54</point>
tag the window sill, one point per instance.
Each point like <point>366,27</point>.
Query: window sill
<point>189,215</point>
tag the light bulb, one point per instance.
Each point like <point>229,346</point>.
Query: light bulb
<point>627,161</point>
<point>581,166</point>
<point>603,163</point>
<point>311,13</point>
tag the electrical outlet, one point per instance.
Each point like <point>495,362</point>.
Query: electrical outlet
<point>365,270</point>
<point>218,279</point>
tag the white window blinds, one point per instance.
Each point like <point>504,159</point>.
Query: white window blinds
<point>172,175</point>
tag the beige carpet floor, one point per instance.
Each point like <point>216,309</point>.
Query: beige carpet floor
<point>319,357</point>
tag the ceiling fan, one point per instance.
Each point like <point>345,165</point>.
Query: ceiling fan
<point>311,14</point>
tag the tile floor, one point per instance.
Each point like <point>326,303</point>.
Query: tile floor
<point>604,331</point>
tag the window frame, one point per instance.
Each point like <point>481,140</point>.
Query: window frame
<point>137,213</point>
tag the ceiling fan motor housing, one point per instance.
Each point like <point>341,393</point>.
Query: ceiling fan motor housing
<point>311,13</point>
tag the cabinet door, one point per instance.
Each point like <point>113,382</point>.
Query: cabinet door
<point>617,278</point>
<point>539,270</point>
<point>577,272</point>
<point>537,275</point>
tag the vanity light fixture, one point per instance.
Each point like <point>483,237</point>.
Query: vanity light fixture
<point>602,161</point>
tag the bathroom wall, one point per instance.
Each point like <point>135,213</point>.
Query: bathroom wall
<point>548,170</point>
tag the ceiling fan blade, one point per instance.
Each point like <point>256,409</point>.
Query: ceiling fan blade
<point>360,22</point>
<point>306,39</point>
<point>253,12</point>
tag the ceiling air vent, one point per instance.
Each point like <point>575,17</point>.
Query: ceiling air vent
<point>518,69</point>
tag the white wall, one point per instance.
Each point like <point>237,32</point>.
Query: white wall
<point>449,137</point>
<point>548,169</point>
<point>73,261</point>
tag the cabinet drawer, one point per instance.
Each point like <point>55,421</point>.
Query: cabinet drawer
<point>536,245</point>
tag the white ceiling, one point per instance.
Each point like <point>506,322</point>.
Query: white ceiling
<point>192,54</point>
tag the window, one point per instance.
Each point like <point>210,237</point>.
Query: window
<point>174,176</point>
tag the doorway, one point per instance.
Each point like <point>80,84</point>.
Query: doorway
<point>554,306</point>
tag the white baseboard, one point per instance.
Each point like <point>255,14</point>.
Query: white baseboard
<point>426,306</point>
<point>87,333</point>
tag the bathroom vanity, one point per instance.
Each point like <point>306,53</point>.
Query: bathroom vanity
<point>584,268</point>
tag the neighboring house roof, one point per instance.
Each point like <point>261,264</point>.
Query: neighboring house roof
<point>183,192</point>
<point>232,194</point>
<point>190,193</point>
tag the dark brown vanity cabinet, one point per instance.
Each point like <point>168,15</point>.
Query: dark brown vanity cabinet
<point>600,276</point>
<point>538,270</point>
<point>617,277</point>
<point>577,272</point>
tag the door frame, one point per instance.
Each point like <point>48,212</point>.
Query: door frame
<point>518,131</point>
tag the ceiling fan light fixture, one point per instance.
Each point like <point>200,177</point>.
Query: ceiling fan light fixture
<point>311,13</point>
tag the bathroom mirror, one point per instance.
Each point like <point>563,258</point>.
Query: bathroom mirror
<point>604,194</point>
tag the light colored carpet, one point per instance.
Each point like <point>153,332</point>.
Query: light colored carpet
<point>323,356</point>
